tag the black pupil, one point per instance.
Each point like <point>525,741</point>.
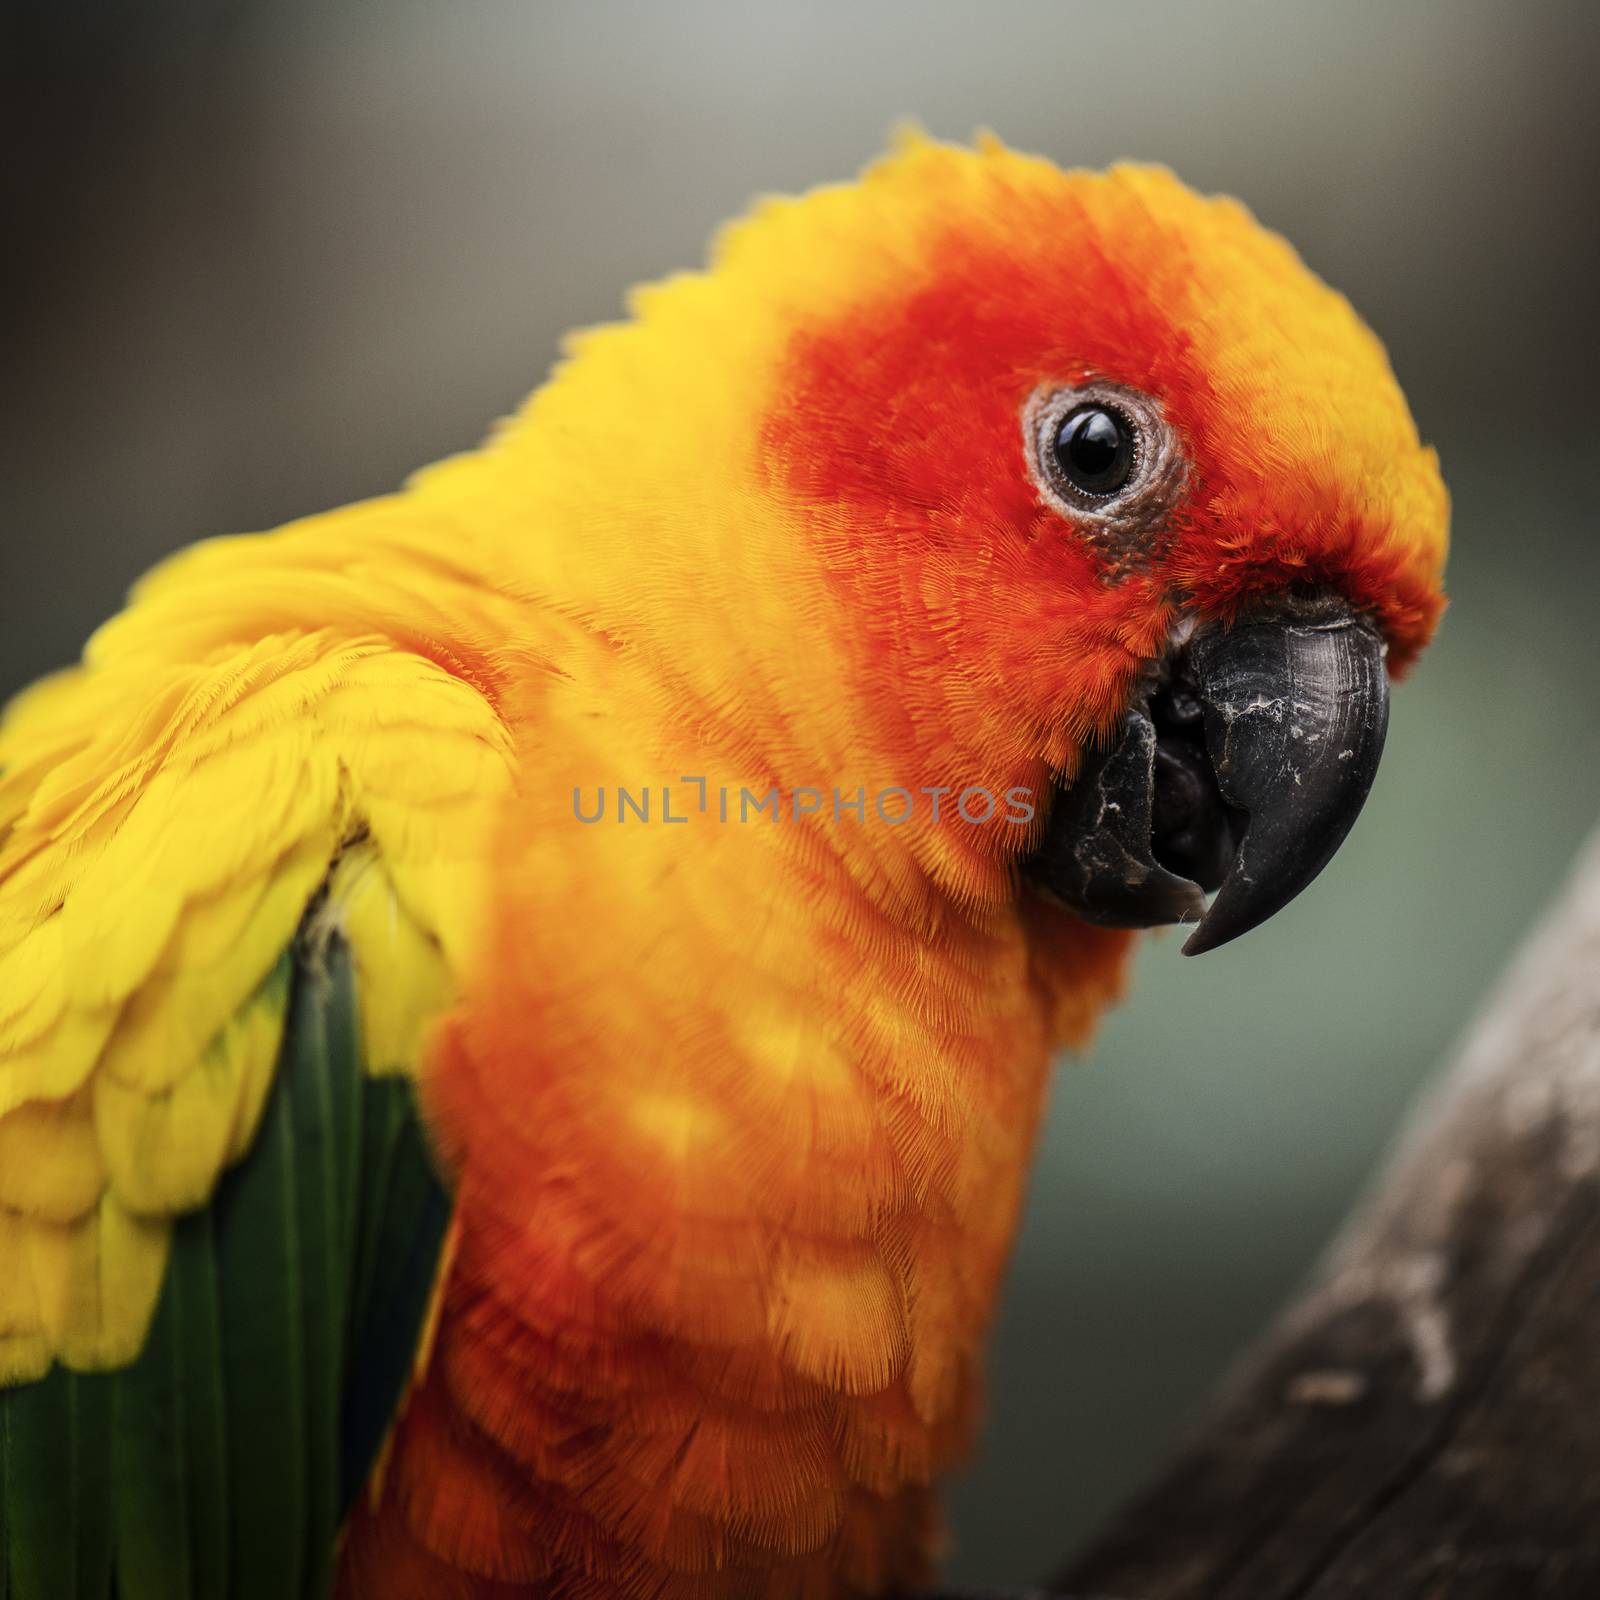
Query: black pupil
<point>1094,449</point>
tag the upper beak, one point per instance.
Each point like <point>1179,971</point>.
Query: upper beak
<point>1241,770</point>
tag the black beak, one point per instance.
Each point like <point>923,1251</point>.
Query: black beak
<point>1241,770</point>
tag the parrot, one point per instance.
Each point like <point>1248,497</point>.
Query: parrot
<point>526,1003</point>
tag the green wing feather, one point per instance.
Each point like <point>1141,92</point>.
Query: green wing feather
<point>58,1519</point>
<point>222,1461</point>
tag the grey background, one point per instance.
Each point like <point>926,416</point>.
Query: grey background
<point>266,258</point>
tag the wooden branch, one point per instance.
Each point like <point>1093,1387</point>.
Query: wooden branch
<point>1425,1421</point>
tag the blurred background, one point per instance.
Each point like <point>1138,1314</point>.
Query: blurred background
<point>266,257</point>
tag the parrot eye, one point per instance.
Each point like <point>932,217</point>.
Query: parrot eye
<point>1106,458</point>
<point>1095,448</point>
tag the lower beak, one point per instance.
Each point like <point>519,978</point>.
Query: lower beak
<point>1241,771</point>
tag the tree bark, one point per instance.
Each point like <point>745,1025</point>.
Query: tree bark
<point>1425,1420</point>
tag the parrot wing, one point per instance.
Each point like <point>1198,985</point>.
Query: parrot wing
<point>234,888</point>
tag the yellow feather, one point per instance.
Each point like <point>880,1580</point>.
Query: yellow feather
<point>50,1166</point>
<point>165,1149</point>
<point>25,1348</point>
<point>177,1014</point>
<point>84,1290</point>
<point>33,986</point>
<point>128,1257</point>
<point>402,980</point>
<point>57,1063</point>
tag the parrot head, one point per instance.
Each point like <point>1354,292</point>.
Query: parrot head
<point>979,473</point>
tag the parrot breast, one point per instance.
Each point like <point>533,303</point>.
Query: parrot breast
<point>726,1250</point>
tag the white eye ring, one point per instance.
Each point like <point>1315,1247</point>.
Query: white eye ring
<point>1128,518</point>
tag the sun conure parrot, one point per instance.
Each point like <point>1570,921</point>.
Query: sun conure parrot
<point>525,1003</point>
